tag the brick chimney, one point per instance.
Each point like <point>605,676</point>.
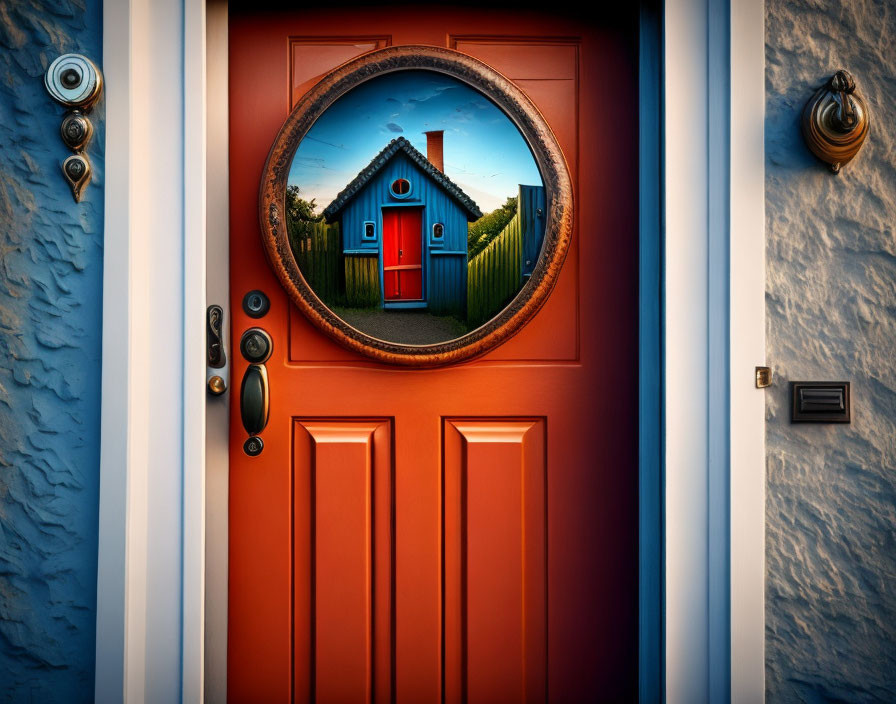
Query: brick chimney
<point>434,149</point>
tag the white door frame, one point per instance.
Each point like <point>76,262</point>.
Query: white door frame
<point>714,339</point>
<point>151,567</point>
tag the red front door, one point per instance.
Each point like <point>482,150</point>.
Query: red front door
<point>402,254</point>
<point>466,533</point>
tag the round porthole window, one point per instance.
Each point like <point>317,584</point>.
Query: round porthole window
<point>401,187</point>
<point>416,261</point>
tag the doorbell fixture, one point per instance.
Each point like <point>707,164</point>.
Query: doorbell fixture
<point>820,402</point>
<point>74,81</point>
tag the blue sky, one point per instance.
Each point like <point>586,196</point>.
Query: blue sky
<point>484,152</point>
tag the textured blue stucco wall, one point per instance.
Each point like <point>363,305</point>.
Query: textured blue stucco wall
<point>50,317</point>
<point>831,314</point>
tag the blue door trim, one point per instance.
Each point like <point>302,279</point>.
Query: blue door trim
<point>651,440</point>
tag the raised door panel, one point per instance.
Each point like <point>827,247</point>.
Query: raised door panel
<point>494,561</point>
<point>342,558</point>
<point>312,57</point>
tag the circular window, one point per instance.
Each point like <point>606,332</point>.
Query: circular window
<point>401,188</point>
<point>401,302</point>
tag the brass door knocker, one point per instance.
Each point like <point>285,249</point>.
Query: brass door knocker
<point>835,121</point>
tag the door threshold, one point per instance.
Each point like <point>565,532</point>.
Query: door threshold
<point>404,305</point>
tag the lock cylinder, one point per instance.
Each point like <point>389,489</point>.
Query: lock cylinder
<point>256,346</point>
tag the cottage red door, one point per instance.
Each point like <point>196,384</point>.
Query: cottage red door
<point>461,533</point>
<point>402,254</point>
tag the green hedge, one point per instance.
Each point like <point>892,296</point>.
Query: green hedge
<point>362,281</point>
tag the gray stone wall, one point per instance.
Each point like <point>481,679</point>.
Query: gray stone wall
<point>831,305</point>
<point>50,333</point>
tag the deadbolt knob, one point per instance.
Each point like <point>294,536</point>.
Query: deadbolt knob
<point>256,304</point>
<point>256,345</point>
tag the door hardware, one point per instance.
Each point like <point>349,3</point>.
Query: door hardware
<point>835,121</point>
<point>217,385</point>
<point>216,357</point>
<point>76,131</point>
<point>254,399</point>
<point>214,337</point>
<point>256,346</point>
<point>74,81</point>
<point>256,304</point>
<point>253,446</point>
<point>76,170</point>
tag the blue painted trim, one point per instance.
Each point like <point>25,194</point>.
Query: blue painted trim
<point>403,305</point>
<point>651,440</point>
<point>402,196</point>
<point>406,204</point>
<point>436,242</point>
<point>447,251</point>
<point>368,252</point>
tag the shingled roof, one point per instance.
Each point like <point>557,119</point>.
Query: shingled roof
<point>383,158</point>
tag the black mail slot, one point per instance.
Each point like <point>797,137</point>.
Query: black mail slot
<point>820,402</point>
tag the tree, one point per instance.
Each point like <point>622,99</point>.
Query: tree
<point>299,209</point>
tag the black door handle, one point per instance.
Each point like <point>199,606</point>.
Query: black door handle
<point>255,399</point>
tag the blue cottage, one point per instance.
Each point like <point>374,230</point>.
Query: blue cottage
<point>404,230</point>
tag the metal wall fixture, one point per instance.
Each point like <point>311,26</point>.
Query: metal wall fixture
<point>74,81</point>
<point>835,121</point>
<point>820,402</point>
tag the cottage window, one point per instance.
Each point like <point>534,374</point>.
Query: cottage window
<point>401,187</point>
<point>369,231</point>
<point>438,231</point>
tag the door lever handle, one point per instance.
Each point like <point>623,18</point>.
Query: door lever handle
<point>255,399</point>
<point>214,337</point>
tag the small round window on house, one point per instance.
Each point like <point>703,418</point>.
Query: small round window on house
<point>401,187</point>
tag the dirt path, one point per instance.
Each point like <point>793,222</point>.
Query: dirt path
<point>410,327</point>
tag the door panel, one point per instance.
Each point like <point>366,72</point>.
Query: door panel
<point>548,418</point>
<point>494,561</point>
<point>342,557</point>
<point>312,57</point>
